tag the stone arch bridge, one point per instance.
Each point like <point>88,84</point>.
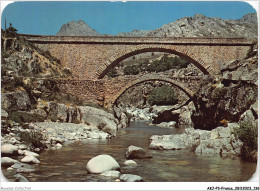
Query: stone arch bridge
<point>91,58</point>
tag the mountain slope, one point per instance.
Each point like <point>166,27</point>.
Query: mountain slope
<point>196,26</point>
<point>79,28</point>
<point>202,26</point>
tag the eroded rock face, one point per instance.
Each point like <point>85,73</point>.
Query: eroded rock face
<point>216,102</point>
<point>15,101</point>
<point>102,163</point>
<point>228,97</point>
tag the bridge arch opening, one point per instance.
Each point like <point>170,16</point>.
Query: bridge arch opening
<point>147,78</point>
<point>116,59</point>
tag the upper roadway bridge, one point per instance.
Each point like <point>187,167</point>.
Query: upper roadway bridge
<point>91,58</point>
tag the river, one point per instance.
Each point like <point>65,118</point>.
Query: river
<point>69,162</point>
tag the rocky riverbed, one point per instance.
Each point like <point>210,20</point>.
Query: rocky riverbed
<point>218,141</point>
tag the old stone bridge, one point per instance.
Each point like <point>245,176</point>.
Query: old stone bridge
<point>91,58</point>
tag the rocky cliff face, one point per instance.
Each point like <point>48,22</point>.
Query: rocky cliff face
<point>196,26</point>
<point>232,98</point>
<point>79,28</point>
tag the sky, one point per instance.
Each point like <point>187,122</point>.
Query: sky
<point>46,18</point>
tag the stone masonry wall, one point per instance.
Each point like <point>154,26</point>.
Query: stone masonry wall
<point>92,57</point>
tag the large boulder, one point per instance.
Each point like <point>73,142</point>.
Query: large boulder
<point>134,152</point>
<point>102,163</point>
<point>99,118</point>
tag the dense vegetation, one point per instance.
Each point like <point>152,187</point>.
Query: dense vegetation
<point>164,64</point>
<point>248,133</point>
<point>163,95</point>
<point>132,70</point>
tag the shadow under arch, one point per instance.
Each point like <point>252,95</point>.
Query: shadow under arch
<point>117,58</point>
<point>146,78</point>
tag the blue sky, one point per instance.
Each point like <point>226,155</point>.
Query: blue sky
<point>46,18</point>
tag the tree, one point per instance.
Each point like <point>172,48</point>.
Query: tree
<point>11,31</point>
<point>164,95</point>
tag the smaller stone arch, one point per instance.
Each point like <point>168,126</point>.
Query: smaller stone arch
<point>150,77</point>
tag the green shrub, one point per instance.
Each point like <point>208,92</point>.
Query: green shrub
<point>248,134</point>
<point>112,73</point>
<point>164,95</point>
<point>164,64</point>
<point>33,138</point>
<point>131,70</point>
<point>25,117</point>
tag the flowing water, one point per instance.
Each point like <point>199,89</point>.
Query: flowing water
<point>69,163</point>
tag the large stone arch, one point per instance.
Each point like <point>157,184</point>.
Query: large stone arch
<point>105,67</point>
<point>145,78</point>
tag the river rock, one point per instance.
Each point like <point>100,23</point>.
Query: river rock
<point>28,153</point>
<point>102,163</point>
<point>217,141</point>
<point>167,124</point>
<point>6,161</point>
<point>94,135</point>
<point>167,143</point>
<point>58,145</point>
<point>20,178</point>
<point>30,159</point>
<point>130,163</point>
<point>111,173</point>
<point>9,150</point>
<point>123,120</point>
<point>134,152</point>
<point>130,178</point>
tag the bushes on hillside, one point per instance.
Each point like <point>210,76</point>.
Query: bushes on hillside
<point>131,70</point>
<point>248,133</point>
<point>163,95</point>
<point>112,73</point>
<point>164,64</point>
